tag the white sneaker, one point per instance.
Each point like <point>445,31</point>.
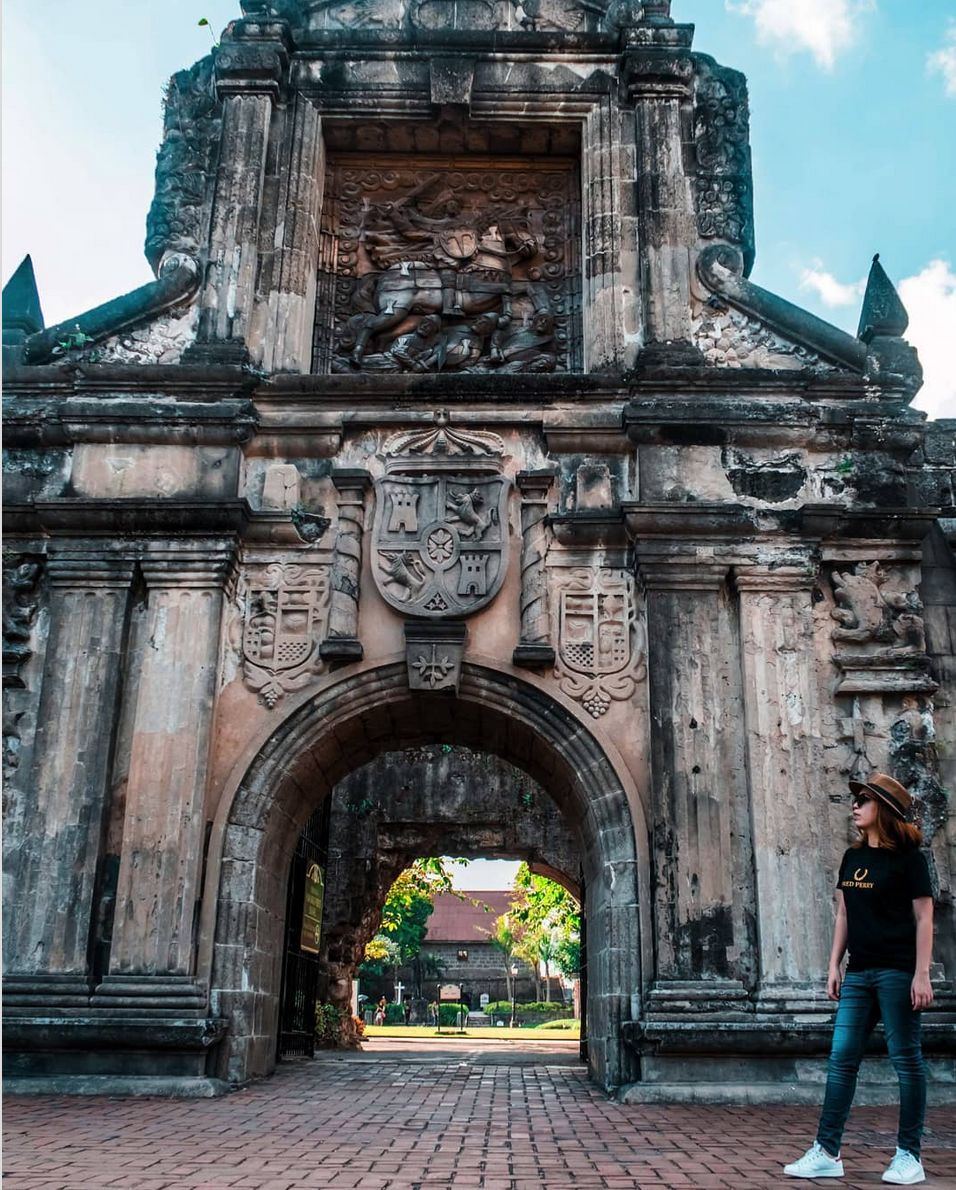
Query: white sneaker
<point>905,1169</point>
<point>815,1163</point>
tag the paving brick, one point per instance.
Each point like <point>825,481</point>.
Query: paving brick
<point>377,1121</point>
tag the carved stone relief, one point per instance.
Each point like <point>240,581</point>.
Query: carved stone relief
<point>440,531</point>
<point>601,642</point>
<point>565,16</point>
<point>21,577</point>
<point>874,616</point>
<point>432,266</point>
<point>284,608</point>
<point>723,180</point>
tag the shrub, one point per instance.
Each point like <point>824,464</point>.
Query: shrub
<point>448,1011</point>
<point>535,1008</point>
<point>394,1014</point>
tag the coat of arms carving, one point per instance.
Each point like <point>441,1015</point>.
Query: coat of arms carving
<point>440,531</point>
<point>284,608</point>
<point>440,542</point>
<point>601,641</point>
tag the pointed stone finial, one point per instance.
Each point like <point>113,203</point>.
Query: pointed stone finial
<point>22,315</point>
<point>883,313</point>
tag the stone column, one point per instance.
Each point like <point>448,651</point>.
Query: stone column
<point>658,84</point>
<point>535,646</point>
<point>342,642</point>
<point>161,862</point>
<point>63,824</point>
<point>249,68</point>
<point>700,836</point>
<point>788,811</point>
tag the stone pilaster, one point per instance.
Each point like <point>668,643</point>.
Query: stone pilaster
<point>249,69</point>
<point>67,796</point>
<point>658,87</point>
<point>535,646</point>
<point>158,884</point>
<point>342,642</point>
<point>701,865</point>
<point>282,337</point>
<point>788,809</point>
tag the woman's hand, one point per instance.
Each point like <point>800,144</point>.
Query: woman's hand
<point>921,992</point>
<point>834,983</point>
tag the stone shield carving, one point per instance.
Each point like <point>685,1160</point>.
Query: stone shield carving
<point>284,611</point>
<point>601,643</point>
<point>440,542</point>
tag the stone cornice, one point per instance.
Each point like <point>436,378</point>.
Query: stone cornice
<point>767,577</point>
<point>73,516</point>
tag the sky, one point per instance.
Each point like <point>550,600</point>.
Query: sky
<point>853,134</point>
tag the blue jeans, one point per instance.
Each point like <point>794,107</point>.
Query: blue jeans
<point>865,997</point>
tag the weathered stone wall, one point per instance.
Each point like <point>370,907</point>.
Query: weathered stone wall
<point>668,569</point>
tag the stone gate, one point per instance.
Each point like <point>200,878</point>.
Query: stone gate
<point>287,509</point>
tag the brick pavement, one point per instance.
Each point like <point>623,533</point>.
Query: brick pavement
<point>402,1119</point>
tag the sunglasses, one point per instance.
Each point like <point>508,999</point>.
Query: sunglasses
<point>860,799</point>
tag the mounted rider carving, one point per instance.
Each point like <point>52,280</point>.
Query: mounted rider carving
<point>437,258</point>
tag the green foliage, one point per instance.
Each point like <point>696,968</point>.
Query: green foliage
<point>448,1012</point>
<point>203,23</point>
<point>533,1008</point>
<point>394,1014</point>
<point>72,341</point>
<point>405,915</point>
<point>328,1023</point>
<point>567,957</point>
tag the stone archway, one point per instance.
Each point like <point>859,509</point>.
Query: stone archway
<point>343,728</point>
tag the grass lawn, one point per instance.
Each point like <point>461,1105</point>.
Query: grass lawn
<point>504,1033</point>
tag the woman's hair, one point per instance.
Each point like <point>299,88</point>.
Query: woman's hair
<point>892,832</point>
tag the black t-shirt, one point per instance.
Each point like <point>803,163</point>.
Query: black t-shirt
<point>879,887</point>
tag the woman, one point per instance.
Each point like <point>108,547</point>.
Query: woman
<point>885,921</point>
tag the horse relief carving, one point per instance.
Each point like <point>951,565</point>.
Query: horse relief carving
<point>449,270</point>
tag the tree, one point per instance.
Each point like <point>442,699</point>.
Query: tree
<point>405,914</point>
<point>547,919</point>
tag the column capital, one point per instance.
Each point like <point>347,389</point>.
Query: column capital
<point>191,564</point>
<point>350,480</point>
<point>535,486</point>
<point>253,61</point>
<point>682,574</point>
<point>767,577</point>
<point>86,568</point>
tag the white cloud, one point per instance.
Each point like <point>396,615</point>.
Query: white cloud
<point>944,61</point>
<point>825,28</point>
<point>828,289</point>
<point>930,300</point>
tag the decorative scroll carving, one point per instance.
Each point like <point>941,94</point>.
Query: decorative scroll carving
<point>184,165</point>
<point>873,617</point>
<point>342,643</point>
<point>601,643</point>
<point>21,577</point>
<point>434,268</point>
<point>723,181</point>
<point>535,646</point>
<point>856,730</point>
<point>284,607</point>
<point>914,761</point>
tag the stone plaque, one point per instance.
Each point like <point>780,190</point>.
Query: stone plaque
<point>449,265</point>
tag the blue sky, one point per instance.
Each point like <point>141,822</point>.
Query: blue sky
<point>853,132</point>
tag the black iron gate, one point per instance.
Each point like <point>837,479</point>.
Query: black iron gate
<point>300,966</point>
